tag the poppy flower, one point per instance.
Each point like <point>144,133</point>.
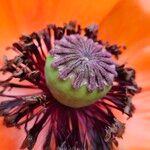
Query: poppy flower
<point>52,117</point>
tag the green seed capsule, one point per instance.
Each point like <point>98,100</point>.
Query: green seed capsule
<point>64,92</point>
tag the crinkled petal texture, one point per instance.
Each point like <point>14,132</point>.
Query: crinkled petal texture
<point>125,22</point>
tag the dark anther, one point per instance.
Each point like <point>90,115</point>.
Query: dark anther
<point>70,27</point>
<point>126,74</point>
<point>26,39</point>
<point>35,36</point>
<point>91,31</point>
<point>46,35</point>
<point>34,76</point>
<point>114,49</point>
<point>58,31</point>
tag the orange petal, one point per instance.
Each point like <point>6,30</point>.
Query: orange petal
<point>8,26</point>
<point>139,59</point>
<point>9,138</point>
<point>36,13</point>
<point>84,11</point>
<point>30,14</point>
<point>26,16</point>
<point>137,135</point>
<point>128,23</point>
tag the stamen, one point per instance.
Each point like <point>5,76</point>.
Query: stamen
<point>87,62</point>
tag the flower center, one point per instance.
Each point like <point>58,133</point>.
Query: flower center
<point>82,62</point>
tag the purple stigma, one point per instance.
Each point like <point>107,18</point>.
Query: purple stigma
<point>84,61</point>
